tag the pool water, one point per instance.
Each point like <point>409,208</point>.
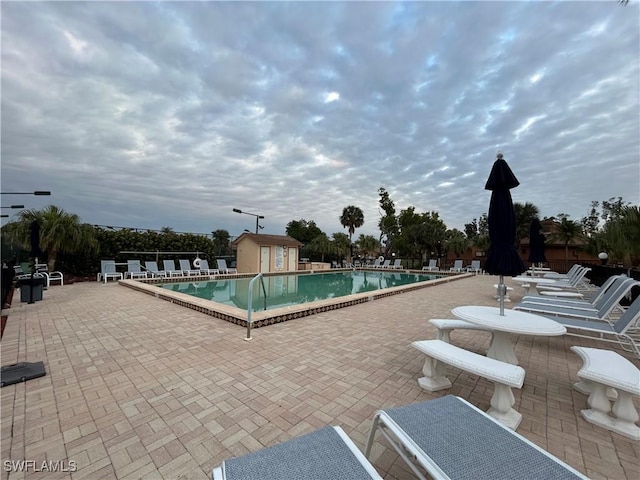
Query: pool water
<point>287,290</point>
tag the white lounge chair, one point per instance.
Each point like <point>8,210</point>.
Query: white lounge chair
<point>601,311</point>
<point>432,266</point>
<point>457,266</point>
<point>622,331</point>
<point>206,270</point>
<point>386,264</point>
<point>109,271</point>
<point>134,270</point>
<point>222,266</point>
<point>152,268</point>
<point>185,266</point>
<point>474,267</point>
<point>452,439</point>
<point>324,454</point>
<point>607,288</point>
<point>397,264</point>
<point>169,267</point>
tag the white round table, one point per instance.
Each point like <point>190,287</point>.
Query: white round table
<point>526,282</point>
<point>513,321</point>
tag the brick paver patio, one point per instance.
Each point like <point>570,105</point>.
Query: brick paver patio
<point>137,387</point>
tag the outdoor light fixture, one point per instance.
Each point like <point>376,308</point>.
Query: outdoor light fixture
<point>258,217</point>
<point>603,257</point>
<point>37,192</point>
<point>14,206</point>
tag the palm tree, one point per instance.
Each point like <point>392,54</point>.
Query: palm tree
<point>352,218</point>
<point>524,213</point>
<point>368,245</point>
<point>567,231</point>
<point>60,232</point>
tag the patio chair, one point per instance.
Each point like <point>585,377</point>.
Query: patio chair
<point>205,269</point>
<point>452,439</point>
<point>134,270</point>
<point>457,266</point>
<point>376,263</point>
<point>623,332</point>
<point>108,270</point>
<point>474,267</point>
<point>152,268</point>
<point>327,453</point>
<point>432,267</point>
<point>576,282</point>
<point>386,264</point>
<point>222,266</point>
<point>397,264</point>
<point>185,266</point>
<point>601,310</point>
<point>169,267</point>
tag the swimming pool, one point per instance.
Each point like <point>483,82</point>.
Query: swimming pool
<point>288,296</point>
<point>287,290</point>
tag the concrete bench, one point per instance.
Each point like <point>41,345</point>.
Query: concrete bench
<point>446,325</point>
<point>502,374</point>
<point>601,371</point>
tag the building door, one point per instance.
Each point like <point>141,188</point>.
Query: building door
<point>293,260</point>
<point>264,258</point>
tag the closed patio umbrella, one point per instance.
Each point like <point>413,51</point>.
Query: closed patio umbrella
<point>536,242</point>
<point>502,256</point>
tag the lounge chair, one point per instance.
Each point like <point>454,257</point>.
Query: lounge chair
<point>576,282</point>
<point>452,439</point>
<point>385,264</point>
<point>376,263</point>
<point>397,264</point>
<point>169,267</point>
<point>152,268</point>
<point>206,270</point>
<point>108,270</point>
<point>555,275</point>
<point>432,267</point>
<point>327,454</point>
<point>601,311</point>
<point>134,270</point>
<point>457,266</point>
<point>624,331</point>
<point>222,266</point>
<point>185,266</point>
<point>474,267</point>
<point>607,288</point>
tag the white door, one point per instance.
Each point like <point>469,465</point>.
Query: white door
<point>293,261</point>
<point>264,259</point>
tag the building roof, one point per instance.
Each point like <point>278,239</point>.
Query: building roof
<point>261,239</point>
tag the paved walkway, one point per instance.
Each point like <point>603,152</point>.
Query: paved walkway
<point>137,387</point>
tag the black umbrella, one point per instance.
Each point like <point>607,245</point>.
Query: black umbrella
<point>502,257</point>
<point>536,242</point>
<point>35,239</point>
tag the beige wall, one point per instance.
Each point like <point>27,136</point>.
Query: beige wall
<point>248,257</point>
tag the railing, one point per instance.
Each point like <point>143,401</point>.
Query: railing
<point>250,302</point>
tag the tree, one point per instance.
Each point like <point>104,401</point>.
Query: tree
<point>388,223</point>
<point>320,245</point>
<point>567,231</point>
<point>524,213</point>
<point>352,218</point>
<point>60,232</point>
<point>221,240</point>
<point>456,241</point>
<point>620,238</point>
<point>341,244</point>
<point>303,230</point>
<point>368,245</point>
<point>167,230</point>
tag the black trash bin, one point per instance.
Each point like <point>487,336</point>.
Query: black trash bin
<point>27,284</point>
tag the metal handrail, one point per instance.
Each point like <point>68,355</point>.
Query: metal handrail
<point>250,301</point>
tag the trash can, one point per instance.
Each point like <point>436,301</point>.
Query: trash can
<point>27,285</point>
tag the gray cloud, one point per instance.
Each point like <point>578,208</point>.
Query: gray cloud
<point>172,113</point>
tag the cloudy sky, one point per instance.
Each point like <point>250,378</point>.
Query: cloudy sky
<point>154,114</point>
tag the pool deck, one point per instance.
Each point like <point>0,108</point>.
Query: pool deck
<point>137,387</point>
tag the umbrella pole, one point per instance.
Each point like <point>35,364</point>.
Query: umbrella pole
<point>502,289</point>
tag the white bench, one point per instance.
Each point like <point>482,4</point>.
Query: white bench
<point>602,370</point>
<point>446,325</point>
<point>502,374</point>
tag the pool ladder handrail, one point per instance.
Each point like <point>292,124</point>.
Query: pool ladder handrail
<point>250,302</point>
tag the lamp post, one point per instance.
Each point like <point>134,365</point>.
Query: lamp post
<point>258,217</point>
<point>603,257</point>
<point>12,206</point>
